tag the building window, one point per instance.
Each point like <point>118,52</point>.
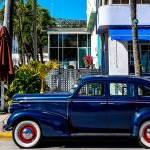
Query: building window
<point>54,40</point>
<point>145,58</point>
<point>54,53</point>
<point>69,49</point>
<point>70,54</point>
<point>109,2</point>
<point>89,40</point>
<point>82,40</point>
<point>60,40</point>
<point>143,1</point>
<point>120,1</point>
<point>106,2</point>
<point>70,40</point>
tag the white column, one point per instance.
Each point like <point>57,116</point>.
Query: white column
<point>2,95</point>
<point>118,57</point>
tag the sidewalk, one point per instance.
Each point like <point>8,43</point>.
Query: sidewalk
<point>4,134</point>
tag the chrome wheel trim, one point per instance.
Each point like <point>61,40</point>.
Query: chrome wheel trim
<point>144,134</point>
<point>22,136</point>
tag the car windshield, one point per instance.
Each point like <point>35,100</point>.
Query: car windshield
<point>74,86</point>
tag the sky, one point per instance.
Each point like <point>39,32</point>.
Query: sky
<point>68,9</point>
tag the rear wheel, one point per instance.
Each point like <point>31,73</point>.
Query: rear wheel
<point>27,134</point>
<point>144,134</point>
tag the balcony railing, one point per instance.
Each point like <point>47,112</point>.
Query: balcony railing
<point>118,2</point>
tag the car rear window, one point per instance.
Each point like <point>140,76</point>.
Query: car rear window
<point>121,89</point>
<point>143,90</point>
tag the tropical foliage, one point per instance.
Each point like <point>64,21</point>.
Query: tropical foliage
<point>43,69</point>
<point>26,81</point>
<point>23,27</point>
<point>30,78</point>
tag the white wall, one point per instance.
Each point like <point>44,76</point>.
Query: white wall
<point>121,15</point>
<point>94,48</point>
<point>91,6</point>
<point>118,57</point>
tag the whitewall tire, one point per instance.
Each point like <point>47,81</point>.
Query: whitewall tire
<point>144,134</point>
<point>27,134</point>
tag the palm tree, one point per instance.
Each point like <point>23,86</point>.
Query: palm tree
<point>42,69</point>
<point>8,17</point>
<point>18,28</point>
<point>136,52</point>
<point>23,28</point>
<point>35,30</point>
<point>44,21</point>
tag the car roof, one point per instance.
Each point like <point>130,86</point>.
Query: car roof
<point>115,77</point>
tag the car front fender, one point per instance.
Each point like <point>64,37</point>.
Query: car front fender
<point>140,117</point>
<point>51,124</point>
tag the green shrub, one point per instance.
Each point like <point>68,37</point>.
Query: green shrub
<point>26,81</point>
<point>30,78</point>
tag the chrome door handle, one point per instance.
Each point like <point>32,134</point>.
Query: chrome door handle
<point>103,103</point>
<point>111,103</point>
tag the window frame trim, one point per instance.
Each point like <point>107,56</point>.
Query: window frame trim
<point>92,95</point>
<point>122,96</point>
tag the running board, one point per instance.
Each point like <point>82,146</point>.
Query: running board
<point>101,134</point>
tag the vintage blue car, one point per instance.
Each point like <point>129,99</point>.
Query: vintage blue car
<point>95,106</point>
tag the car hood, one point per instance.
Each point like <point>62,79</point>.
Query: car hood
<point>47,96</point>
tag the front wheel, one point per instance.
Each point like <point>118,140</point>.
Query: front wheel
<point>144,134</point>
<point>27,134</point>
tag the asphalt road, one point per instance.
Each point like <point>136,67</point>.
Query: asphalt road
<point>115,144</point>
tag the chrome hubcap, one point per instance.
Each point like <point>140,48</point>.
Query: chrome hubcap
<point>146,133</point>
<point>27,133</point>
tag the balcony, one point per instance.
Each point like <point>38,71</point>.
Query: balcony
<point>120,15</point>
<point>119,2</point>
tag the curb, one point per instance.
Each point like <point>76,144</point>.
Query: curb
<point>5,135</point>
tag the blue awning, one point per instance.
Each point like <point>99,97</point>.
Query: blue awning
<point>125,34</point>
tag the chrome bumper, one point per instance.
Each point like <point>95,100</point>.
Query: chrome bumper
<point>4,126</point>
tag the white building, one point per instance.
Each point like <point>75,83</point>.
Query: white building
<point>91,27</point>
<point>114,26</point>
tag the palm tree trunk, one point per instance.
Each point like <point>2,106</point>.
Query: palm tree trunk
<point>21,28</point>
<point>8,18</point>
<point>136,52</point>
<point>35,30</point>
<point>41,53</point>
<point>42,85</point>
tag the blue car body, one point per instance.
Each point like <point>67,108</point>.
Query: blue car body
<point>80,114</point>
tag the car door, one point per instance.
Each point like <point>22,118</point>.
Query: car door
<point>143,96</point>
<point>121,106</point>
<point>88,108</point>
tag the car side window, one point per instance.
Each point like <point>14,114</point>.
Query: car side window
<point>121,89</point>
<point>92,89</point>
<point>143,90</point>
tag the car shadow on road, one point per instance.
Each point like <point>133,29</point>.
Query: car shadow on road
<point>92,143</point>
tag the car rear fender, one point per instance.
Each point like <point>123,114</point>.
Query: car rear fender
<point>51,124</point>
<point>140,117</point>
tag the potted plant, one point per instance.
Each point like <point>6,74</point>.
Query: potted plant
<point>88,61</point>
